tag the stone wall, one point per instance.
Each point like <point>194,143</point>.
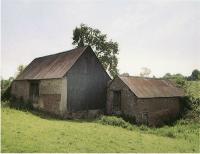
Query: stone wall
<point>20,89</point>
<point>159,110</point>
<point>151,111</point>
<point>52,96</point>
<point>128,99</point>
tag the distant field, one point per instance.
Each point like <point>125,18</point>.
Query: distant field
<point>26,132</point>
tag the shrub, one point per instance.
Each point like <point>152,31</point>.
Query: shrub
<point>182,122</point>
<point>6,88</point>
<point>20,104</point>
<point>6,94</point>
<point>170,134</point>
<point>143,128</point>
<point>115,121</point>
<point>191,103</point>
<point>5,103</point>
<point>129,119</point>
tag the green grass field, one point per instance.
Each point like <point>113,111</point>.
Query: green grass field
<point>28,132</point>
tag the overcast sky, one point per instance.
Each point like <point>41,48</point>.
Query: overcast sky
<point>159,34</point>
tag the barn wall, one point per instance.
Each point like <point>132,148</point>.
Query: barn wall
<point>128,99</point>
<point>20,89</point>
<point>63,103</point>
<point>87,82</point>
<point>158,109</point>
<point>51,96</point>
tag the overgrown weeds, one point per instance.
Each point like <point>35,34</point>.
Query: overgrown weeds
<point>115,121</point>
<point>180,129</point>
<point>191,103</point>
<point>20,104</point>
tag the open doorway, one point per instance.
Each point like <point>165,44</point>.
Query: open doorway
<point>34,91</point>
<point>145,118</point>
<point>116,101</point>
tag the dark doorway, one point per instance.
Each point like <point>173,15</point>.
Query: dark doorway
<point>34,91</point>
<point>145,118</point>
<point>117,101</point>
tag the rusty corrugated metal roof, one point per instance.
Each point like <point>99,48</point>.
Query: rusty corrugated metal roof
<point>150,87</point>
<point>51,66</point>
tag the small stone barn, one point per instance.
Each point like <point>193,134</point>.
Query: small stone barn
<point>64,83</point>
<point>146,100</point>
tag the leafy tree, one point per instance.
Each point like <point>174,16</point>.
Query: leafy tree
<point>5,88</point>
<point>106,50</point>
<point>195,75</point>
<point>174,76</point>
<point>178,78</point>
<point>124,74</point>
<point>20,69</point>
<point>6,84</point>
<point>167,76</point>
<point>145,72</point>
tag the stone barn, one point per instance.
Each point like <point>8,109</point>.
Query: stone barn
<point>145,100</point>
<point>65,83</point>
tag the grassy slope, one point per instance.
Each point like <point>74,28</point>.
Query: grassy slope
<point>25,132</point>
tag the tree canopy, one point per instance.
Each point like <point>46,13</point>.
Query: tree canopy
<point>6,83</point>
<point>106,50</point>
<point>20,69</point>
<point>145,72</point>
<point>195,75</point>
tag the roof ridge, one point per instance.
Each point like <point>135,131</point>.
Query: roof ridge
<point>130,76</point>
<point>68,51</point>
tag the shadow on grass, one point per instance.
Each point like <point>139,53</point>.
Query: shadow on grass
<point>53,117</point>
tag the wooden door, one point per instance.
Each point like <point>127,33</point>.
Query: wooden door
<point>117,101</point>
<point>34,91</point>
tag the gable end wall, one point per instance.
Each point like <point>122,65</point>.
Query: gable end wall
<point>87,82</point>
<point>128,99</point>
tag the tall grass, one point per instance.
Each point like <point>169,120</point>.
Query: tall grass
<point>180,129</point>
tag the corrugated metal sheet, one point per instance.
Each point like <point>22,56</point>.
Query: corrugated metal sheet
<point>51,66</point>
<point>149,87</point>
